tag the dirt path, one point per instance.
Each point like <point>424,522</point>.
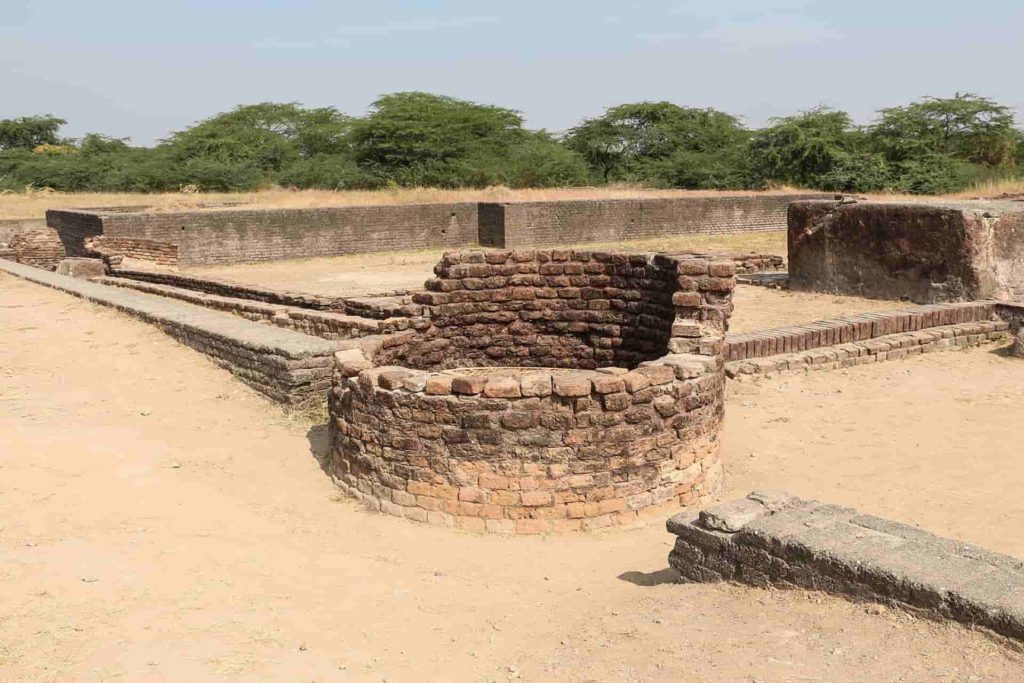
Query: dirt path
<point>160,522</point>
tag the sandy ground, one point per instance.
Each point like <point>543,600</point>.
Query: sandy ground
<point>756,307</point>
<point>161,522</point>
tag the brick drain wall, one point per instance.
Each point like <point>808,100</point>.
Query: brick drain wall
<point>627,427</point>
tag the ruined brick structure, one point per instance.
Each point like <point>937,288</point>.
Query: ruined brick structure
<point>939,251</point>
<point>237,234</point>
<point>39,247</point>
<point>525,224</point>
<point>547,390</point>
<point>234,234</point>
<point>127,251</point>
<point>1013,314</point>
<point>9,227</point>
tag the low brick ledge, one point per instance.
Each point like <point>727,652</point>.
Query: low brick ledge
<point>317,323</point>
<point>856,327</point>
<point>889,347</point>
<point>382,307</point>
<point>775,539</point>
<point>287,366</point>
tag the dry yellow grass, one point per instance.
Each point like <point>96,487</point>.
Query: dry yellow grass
<point>993,188</point>
<point>35,204</point>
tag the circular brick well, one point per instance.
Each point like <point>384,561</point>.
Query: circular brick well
<point>546,390</point>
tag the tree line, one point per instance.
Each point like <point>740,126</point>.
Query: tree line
<point>930,146</point>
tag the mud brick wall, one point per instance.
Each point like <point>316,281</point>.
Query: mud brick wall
<point>240,235</point>
<point>324,324</point>
<point>9,227</point>
<point>527,451</point>
<point>527,224</point>
<point>236,290</point>
<point>772,539</point>
<point>284,365</point>
<point>546,390</point>
<point>40,247</point>
<point>856,327</point>
<point>569,308</point>
<point>379,308</point>
<point>116,250</point>
<point>922,252</point>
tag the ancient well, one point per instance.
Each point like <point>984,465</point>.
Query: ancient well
<point>545,390</point>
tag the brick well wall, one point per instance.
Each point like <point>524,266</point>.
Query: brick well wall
<point>627,425</point>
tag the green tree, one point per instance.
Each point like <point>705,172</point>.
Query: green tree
<point>415,138</point>
<point>633,141</point>
<point>28,132</point>
<point>802,149</point>
<point>964,126</point>
<point>267,136</point>
<point>541,161</point>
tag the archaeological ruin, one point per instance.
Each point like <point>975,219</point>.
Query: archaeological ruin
<point>546,390</point>
<point>921,252</point>
<point>529,388</point>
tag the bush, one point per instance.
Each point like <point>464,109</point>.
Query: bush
<point>213,175</point>
<point>858,172</point>
<point>934,174</point>
<point>327,173</point>
<point>542,162</point>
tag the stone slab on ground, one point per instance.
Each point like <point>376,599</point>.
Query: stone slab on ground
<point>287,366</point>
<point>82,267</point>
<point>774,539</point>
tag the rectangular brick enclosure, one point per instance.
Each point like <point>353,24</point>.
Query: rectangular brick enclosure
<point>927,252</point>
<point>235,234</point>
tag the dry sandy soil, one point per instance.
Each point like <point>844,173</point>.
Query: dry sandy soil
<point>756,307</point>
<point>161,522</point>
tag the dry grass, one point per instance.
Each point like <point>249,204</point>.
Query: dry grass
<point>35,204</point>
<point>993,188</point>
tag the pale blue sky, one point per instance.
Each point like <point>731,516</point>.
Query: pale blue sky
<point>140,68</point>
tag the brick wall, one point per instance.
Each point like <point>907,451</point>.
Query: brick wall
<point>546,391</point>
<point>121,251</point>
<point>239,235</point>
<point>286,366</point>
<point>579,221</point>
<point>40,247</point>
<point>562,308</point>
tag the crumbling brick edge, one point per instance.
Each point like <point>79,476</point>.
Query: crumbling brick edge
<point>289,367</point>
<point>773,539</point>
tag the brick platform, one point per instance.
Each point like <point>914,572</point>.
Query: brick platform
<point>546,391</point>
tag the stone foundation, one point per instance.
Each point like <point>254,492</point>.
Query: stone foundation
<point>545,391</point>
